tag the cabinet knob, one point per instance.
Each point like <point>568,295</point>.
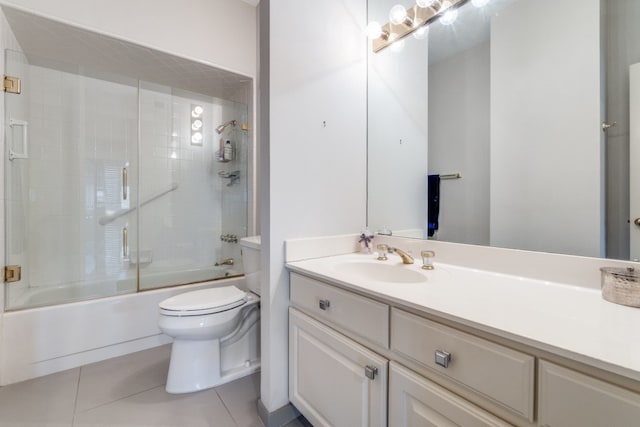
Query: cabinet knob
<point>370,372</point>
<point>324,304</point>
<point>443,358</point>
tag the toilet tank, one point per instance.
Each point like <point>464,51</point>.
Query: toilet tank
<point>251,261</point>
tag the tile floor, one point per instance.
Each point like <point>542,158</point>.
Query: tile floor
<point>127,391</point>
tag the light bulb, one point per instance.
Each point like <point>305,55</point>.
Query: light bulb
<point>197,111</point>
<point>397,14</point>
<point>197,124</point>
<point>196,138</point>
<point>425,3</point>
<point>450,16</point>
<point>479,3</point>
<point>421,33</point>
<point>374,30</point>
<point>397,46</point>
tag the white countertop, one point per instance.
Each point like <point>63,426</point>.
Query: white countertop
<point>569,321</point>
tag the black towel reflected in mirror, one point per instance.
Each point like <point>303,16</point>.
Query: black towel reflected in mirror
<point>433,203</point>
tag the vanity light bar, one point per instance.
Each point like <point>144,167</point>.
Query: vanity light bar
<point>416,17</point>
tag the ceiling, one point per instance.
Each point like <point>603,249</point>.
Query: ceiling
<point>56,45</point>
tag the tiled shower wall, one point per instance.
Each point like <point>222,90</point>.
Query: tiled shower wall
<point>182,229</point>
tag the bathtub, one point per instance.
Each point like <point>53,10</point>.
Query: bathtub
<point>41,341</point>
<point>151,278</point>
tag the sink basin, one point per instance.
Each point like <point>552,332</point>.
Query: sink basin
<point>380,272</point>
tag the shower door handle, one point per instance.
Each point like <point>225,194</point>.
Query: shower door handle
<point>25,142</point>
<point>125,243</point>
<point>125,185</point>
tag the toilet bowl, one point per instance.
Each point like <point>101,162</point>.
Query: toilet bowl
<point>215,333</point>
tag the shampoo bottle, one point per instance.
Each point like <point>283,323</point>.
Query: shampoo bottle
<point>228,150</point>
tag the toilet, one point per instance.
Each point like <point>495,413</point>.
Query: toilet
<point>216,331</point>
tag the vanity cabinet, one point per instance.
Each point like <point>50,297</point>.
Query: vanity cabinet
<point>414,401</point>
<point>570,398</point>
<point>353,358</point>
<point>337,380</point>
<point>333,380</point>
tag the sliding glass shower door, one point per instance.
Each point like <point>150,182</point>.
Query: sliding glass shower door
<point>70,153</point>
<point>115,185</point>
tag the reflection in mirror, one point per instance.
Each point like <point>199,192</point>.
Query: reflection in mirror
<point>514,99</point>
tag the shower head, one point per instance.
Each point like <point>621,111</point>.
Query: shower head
<point>223,126</point>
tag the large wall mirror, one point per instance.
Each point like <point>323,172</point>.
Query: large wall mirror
<point>498,128</point>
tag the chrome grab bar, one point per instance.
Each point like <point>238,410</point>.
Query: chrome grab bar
<point>113,216</point>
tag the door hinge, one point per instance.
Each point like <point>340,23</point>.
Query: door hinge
<point>11,84</point>
<point>12,273</point>
<point>370,372</point>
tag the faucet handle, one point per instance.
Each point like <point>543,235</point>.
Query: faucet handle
<point>427,259</point>
<point>382,251</point>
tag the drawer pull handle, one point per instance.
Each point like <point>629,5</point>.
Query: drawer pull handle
<point>443,358</point>
<point>370,372</point>
<point>324,304</point>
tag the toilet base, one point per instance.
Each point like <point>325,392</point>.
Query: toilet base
<point>195,365</point>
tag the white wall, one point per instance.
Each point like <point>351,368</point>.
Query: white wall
<point>220,32</point>
<point>459,142</point>
<point>546,163</point>
<point>316,173</point>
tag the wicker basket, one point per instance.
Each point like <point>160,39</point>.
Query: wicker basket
<point>621,285</point>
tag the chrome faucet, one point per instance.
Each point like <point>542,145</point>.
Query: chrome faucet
<point>406,258</point>
<point>228,261</point>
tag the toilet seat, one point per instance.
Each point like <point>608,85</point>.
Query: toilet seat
<point>202,302</point>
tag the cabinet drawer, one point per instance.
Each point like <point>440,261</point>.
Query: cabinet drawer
<point>362,316</point>
<point>414,401</point>
<point>503,375</point>
<point>569,398</point>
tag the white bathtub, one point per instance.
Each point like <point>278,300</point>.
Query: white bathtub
<point>40,341</point>
<point>31,297</point>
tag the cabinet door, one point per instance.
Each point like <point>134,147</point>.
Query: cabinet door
<point>327,376</point>
<point>415,401</point>
<point>569,398</point>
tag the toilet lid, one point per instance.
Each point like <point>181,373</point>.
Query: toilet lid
<point>205,301</point>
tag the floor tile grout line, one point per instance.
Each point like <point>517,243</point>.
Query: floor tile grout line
<point>75,403</point>
<point>121,398</point>
<point>225,406</point>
